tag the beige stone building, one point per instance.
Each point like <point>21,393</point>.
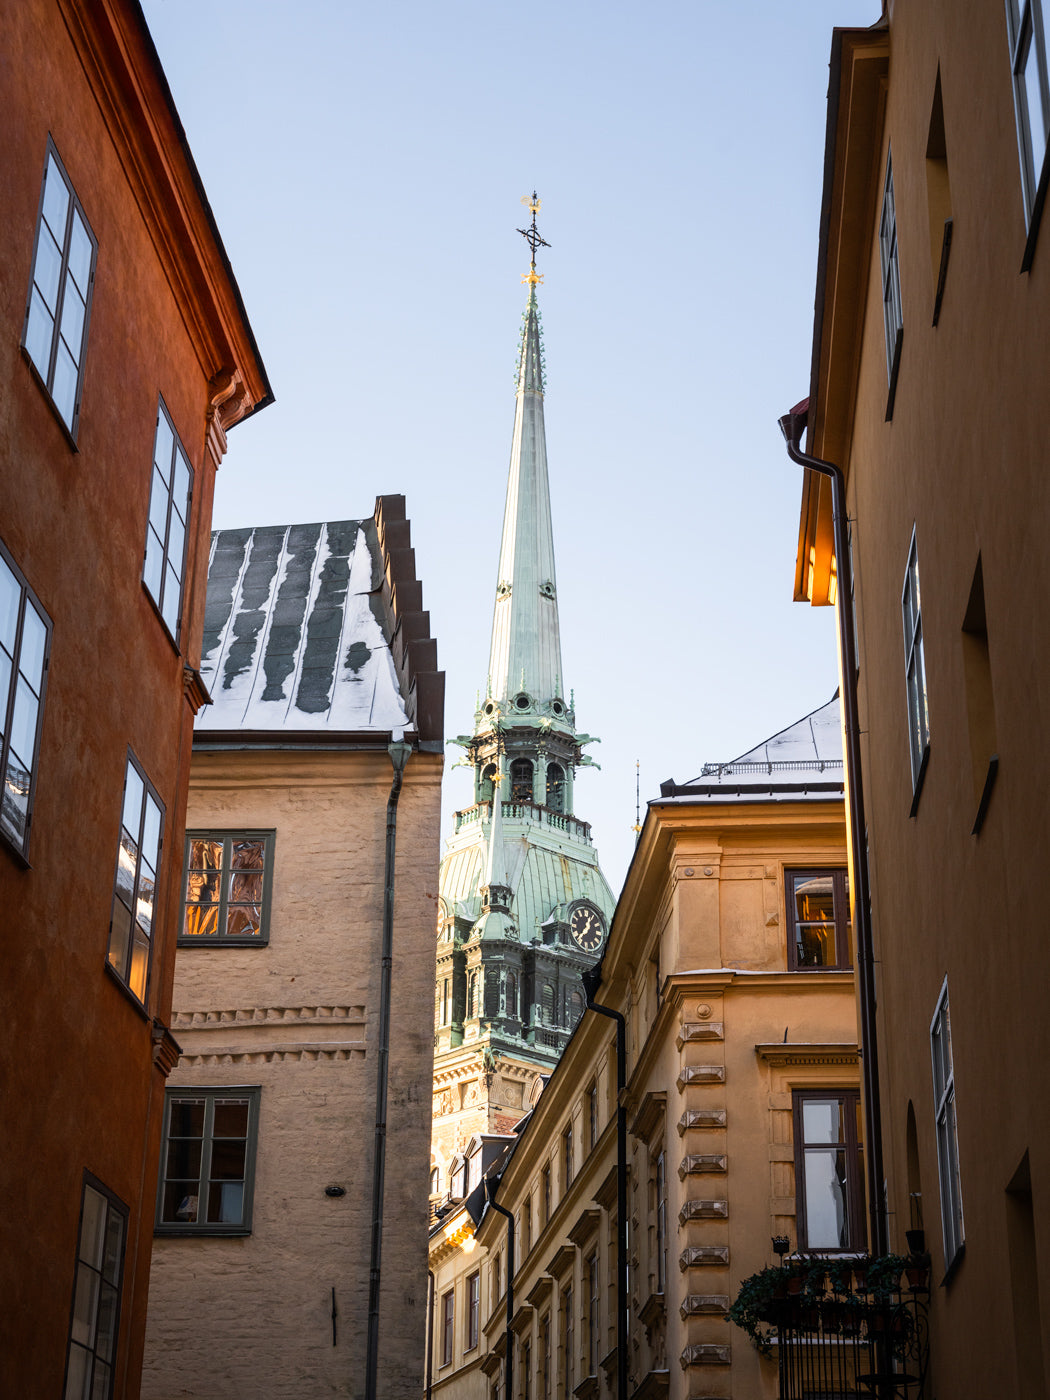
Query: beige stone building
<point>315,781</point>
<point>729,959</point>
<point>928,391</point>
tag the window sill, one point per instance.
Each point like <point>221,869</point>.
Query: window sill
<point>986,795</point>
<point>942,275</point>
<point>920,778</point>
<point>17,853</point>
<point>894,371</point>
<point>126,992</point>
<point>1037,214</point>
<point>954,1266</point>
<point>222,942</point>
<point>195,1232</point>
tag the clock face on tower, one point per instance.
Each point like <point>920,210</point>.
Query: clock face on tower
<point>587,928</point>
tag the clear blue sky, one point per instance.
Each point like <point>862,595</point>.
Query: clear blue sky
<point>366,165</point>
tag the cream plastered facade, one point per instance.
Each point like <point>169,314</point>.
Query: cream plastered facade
<point>719,1035</point>
<point>239,1317</point>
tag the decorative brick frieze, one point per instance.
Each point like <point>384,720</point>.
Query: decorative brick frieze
<point>705,1354</point>
<point>701,1074</point>
<point>700,1163</point>
<point>697,1304</point>
<point>704,1256</point>
<point>703,1210</point>
<point>303,1051</point>
<point>700,1030</point>
<point>701,1118</point>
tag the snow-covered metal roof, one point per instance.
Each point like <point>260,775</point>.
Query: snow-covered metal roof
<point>294,632</point>
<point>807,755</point>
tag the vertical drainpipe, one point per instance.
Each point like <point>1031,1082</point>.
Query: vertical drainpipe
<point>591,979</point>
<point>508,1365</point>
<point>399,752</point>
<point>431,1299</point>
<point>793,425</point>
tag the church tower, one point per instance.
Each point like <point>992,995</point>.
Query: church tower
<point>524,908</point>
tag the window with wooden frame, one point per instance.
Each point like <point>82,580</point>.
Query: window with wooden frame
<point>54,335</point>
<point>829,1189</point>
<point>567,1161</point>
<point>134,896</point>
<point>568,1332</point>
<point>545,1357</point>
<point>892,310</point>
<point>818,920</point>
<point>915,673</point>
<point>592,1115</point>
<point>448,1326</point>
<point>227,886</point>
<point>171,489</point>
<point>545,1190</point>
<point>947,1132</point>
<point>593,1313</point>
<point>94,1323</point>
<point>1028,65</point>
<point>470,1335</point>
<point>207,1160</point>
<point>659,1187</point>
<point>25,646</point>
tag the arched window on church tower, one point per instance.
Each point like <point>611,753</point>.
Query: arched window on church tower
<point>555,787</point>
<point>548,1004</point>
<point>521,780</point>
<point>485,788</point>
<point>575,1008</point>
<point>474,995</point>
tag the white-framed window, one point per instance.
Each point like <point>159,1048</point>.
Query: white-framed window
<point>171,486</point>
<point>915,668</point>
<point>1024,24</point>
<point>892,310</point>
<point>448,1326</point>
<point>25,643</point>
<point>470,1336</point>
<point>947,1135</point>
<point>208,1161</point>
<point>54,335</point>
<point>95,1321</point>
<point>135,887</point>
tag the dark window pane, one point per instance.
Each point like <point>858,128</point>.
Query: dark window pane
<point>231,1118</point>
<point>187,1118</point>
<point>179,1205</point>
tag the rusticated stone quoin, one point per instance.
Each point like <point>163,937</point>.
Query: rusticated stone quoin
<point>701,1074</point>
<point>701,1118</point>
<point>700,1030</point>
<point>703,1210</point>
<point>699,1163</point>
<point>696,1304</point>
<point>704,1256</point>
<point>705,1354</point>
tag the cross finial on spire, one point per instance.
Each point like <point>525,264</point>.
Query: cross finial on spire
<point>532,237</point>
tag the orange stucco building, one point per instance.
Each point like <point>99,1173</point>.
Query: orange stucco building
<point>928,391</point>
<point>125,357</point>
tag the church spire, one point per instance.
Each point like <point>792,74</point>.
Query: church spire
<point>525,656</point>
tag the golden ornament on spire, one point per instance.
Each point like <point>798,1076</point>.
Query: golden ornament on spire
<point>532,238</point>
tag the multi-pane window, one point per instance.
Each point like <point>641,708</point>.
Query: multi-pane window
<point>915,668</point>
<point>569,1334</point>
<point>593,1299</point>
<point>55,332</point>
<point>526,1370</point>
<point>1024,20</point>
<point>567,1166</point>
<point>229,877</point>
<point>134,897</point>
<point>545,1357</point>
<point>207,1161</point>
<point>892,311</point>
<point>470,1338</point>
<point>95,1320</point>
<point>448,1326</point>
<point>25,639</point>
<point>828,1174</point>
<point>819,934</point>
<point>545,1189</point>
<point>660,1191</point>
<point>526,1226</point>
<point>171,484</point>
<point>592,1115</point>
<point>947,1136</point>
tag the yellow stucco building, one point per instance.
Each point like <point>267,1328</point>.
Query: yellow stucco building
<point>729,960</point>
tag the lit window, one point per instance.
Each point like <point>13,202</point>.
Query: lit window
<point>947,1136</point>
<point>55,332</point>
<point>473,1301</point>
<point>25,640</point>
<point>171,485</point>
<point>892,311</point>
<point>95,1320</point>
<point>229,878</point>
<point>207,1162</point>
<point>828,1179</point>
<point>915,671</point>
<point>818,920</point>
<point>1024,21</point>
<point>131,929</point>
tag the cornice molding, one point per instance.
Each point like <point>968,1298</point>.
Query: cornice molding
<point>782,1056</point>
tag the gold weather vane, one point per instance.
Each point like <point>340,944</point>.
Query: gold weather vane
<point>533,239</point>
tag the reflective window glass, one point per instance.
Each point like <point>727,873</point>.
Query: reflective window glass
<point>171,486</point>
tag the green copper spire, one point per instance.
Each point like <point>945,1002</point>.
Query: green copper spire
<point>525,656</point>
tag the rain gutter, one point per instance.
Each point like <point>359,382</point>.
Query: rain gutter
<point>793,425</point>
<point>399,752</point>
